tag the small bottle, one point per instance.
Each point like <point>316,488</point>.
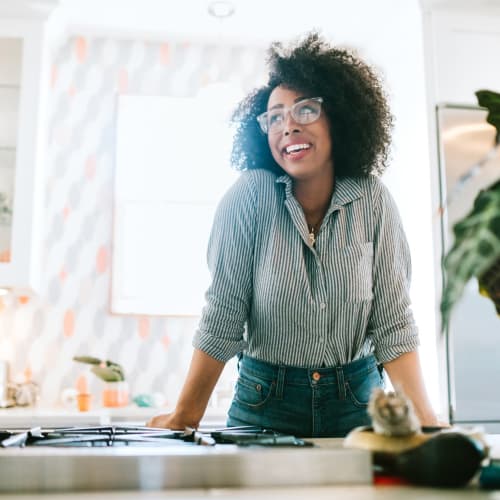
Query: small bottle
<point>83,396</point>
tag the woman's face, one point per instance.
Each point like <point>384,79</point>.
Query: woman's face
<point>312,160</point>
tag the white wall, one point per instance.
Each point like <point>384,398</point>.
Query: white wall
<point>462,44</point>
<point>388,34</point>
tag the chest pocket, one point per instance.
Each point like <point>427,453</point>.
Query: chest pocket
<point>353,272</point>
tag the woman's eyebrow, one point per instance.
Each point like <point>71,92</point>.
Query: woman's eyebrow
<point>297,99</point>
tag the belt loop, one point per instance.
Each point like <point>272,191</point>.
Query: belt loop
<point>341,383</point>
<point>280,382</point>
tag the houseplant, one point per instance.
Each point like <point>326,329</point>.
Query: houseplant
<point>476,248</point>
<point>115,391</point>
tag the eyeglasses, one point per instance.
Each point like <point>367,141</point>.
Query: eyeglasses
<point>303,112</point>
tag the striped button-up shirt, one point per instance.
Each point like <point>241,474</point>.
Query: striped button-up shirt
<point>280,299</point>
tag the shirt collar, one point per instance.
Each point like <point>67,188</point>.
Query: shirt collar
<point>347,189</point>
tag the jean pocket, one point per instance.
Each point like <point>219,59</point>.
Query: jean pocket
<point>359,388</point>
<point>253,392</point>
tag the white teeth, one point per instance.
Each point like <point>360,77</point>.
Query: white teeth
<point>296,147</point>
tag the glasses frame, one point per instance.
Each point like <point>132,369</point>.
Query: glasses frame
<point>262,118</point>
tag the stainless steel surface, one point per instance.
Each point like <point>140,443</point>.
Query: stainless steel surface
<point>44,469</point>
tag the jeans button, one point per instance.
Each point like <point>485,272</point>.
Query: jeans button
<point>316,376</point>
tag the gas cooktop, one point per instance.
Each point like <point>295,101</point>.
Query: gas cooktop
<point>128,457</point>
<point>144,436</point>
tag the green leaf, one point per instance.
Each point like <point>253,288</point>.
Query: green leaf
<point>490,100</point>
<point>107,374</point>
<point>87,359</point>
<point>477,239</point>
<point>105,370</point>
<point>474,251</point>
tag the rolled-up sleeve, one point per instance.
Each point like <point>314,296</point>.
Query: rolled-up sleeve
<point>220,333</point>
<point>391,326</point>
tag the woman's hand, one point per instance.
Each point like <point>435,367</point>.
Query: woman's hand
<point>171,421</point>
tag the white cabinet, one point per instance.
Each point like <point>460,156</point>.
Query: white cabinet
<point>23,97</point>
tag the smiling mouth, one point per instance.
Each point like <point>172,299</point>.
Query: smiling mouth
<point>296,148</point>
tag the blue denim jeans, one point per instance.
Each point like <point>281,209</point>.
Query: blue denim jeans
<point>305,402</point>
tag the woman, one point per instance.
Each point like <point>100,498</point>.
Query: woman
<point>310,266</point>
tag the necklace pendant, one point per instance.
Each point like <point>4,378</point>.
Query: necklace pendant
<point>312,237</point>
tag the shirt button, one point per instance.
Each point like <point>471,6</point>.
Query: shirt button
<point>322,305</point>
<point>316,376</point>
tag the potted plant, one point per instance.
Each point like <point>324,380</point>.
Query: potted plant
<point>115,391</point>
<point>476,248</point>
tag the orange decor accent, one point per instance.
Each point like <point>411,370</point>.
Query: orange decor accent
<point>90,167</point>
<point>5,256</point>
<point>165,340</point>
<point>115,394</point>
<point>69,323</point>
<point>83,401</point>
<point>81,48</point>
<point>122,81</point>
<point>63,274</point>
<point>144,328</point>
<point>23,299</point>
<point>102,260</point>
<point>66,212</point>
<point>28,374</point>
<point>164,54</point>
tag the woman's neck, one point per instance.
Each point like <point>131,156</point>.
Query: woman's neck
<point>314,198</point>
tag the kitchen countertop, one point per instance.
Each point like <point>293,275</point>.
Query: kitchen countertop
<point>354,492</point>
<point>295,493</point>
<point>58,416</point>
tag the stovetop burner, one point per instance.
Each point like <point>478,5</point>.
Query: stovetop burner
<point>122,435</point>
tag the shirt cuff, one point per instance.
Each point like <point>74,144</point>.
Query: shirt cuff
<point>218,348</point>
<point>386,353</point>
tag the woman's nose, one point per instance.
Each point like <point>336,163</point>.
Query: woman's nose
<point>290,124</point>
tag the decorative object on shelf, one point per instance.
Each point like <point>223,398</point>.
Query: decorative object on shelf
<point>26,394</point>
<point>83,396</point>
<point>426,456</point>
<point>115,392</point>
<point>105,369</point>
<point>476,250</point>
<point>5,209</point>
<point>155,400</point>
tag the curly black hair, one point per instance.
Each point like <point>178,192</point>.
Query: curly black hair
<point>354,102</point>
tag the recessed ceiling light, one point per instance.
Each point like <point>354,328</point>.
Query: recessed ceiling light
<point>221,9</point>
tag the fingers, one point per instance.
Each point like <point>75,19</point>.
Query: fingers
<point>159,421</point>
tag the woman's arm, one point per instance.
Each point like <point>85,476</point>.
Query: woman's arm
<point>202,376</point>
<point>405,373</point>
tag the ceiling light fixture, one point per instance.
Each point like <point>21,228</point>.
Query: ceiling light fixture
<point>221,9</point>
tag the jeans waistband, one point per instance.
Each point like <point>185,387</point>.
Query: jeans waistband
<point>298,375</point>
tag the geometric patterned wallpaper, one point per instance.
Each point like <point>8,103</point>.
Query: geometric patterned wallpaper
<point>71,314</point>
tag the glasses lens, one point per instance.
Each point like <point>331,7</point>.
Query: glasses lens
<point>303,112</point>
<point>306,111</point>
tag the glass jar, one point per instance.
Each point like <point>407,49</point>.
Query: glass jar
<point>115,394</point>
